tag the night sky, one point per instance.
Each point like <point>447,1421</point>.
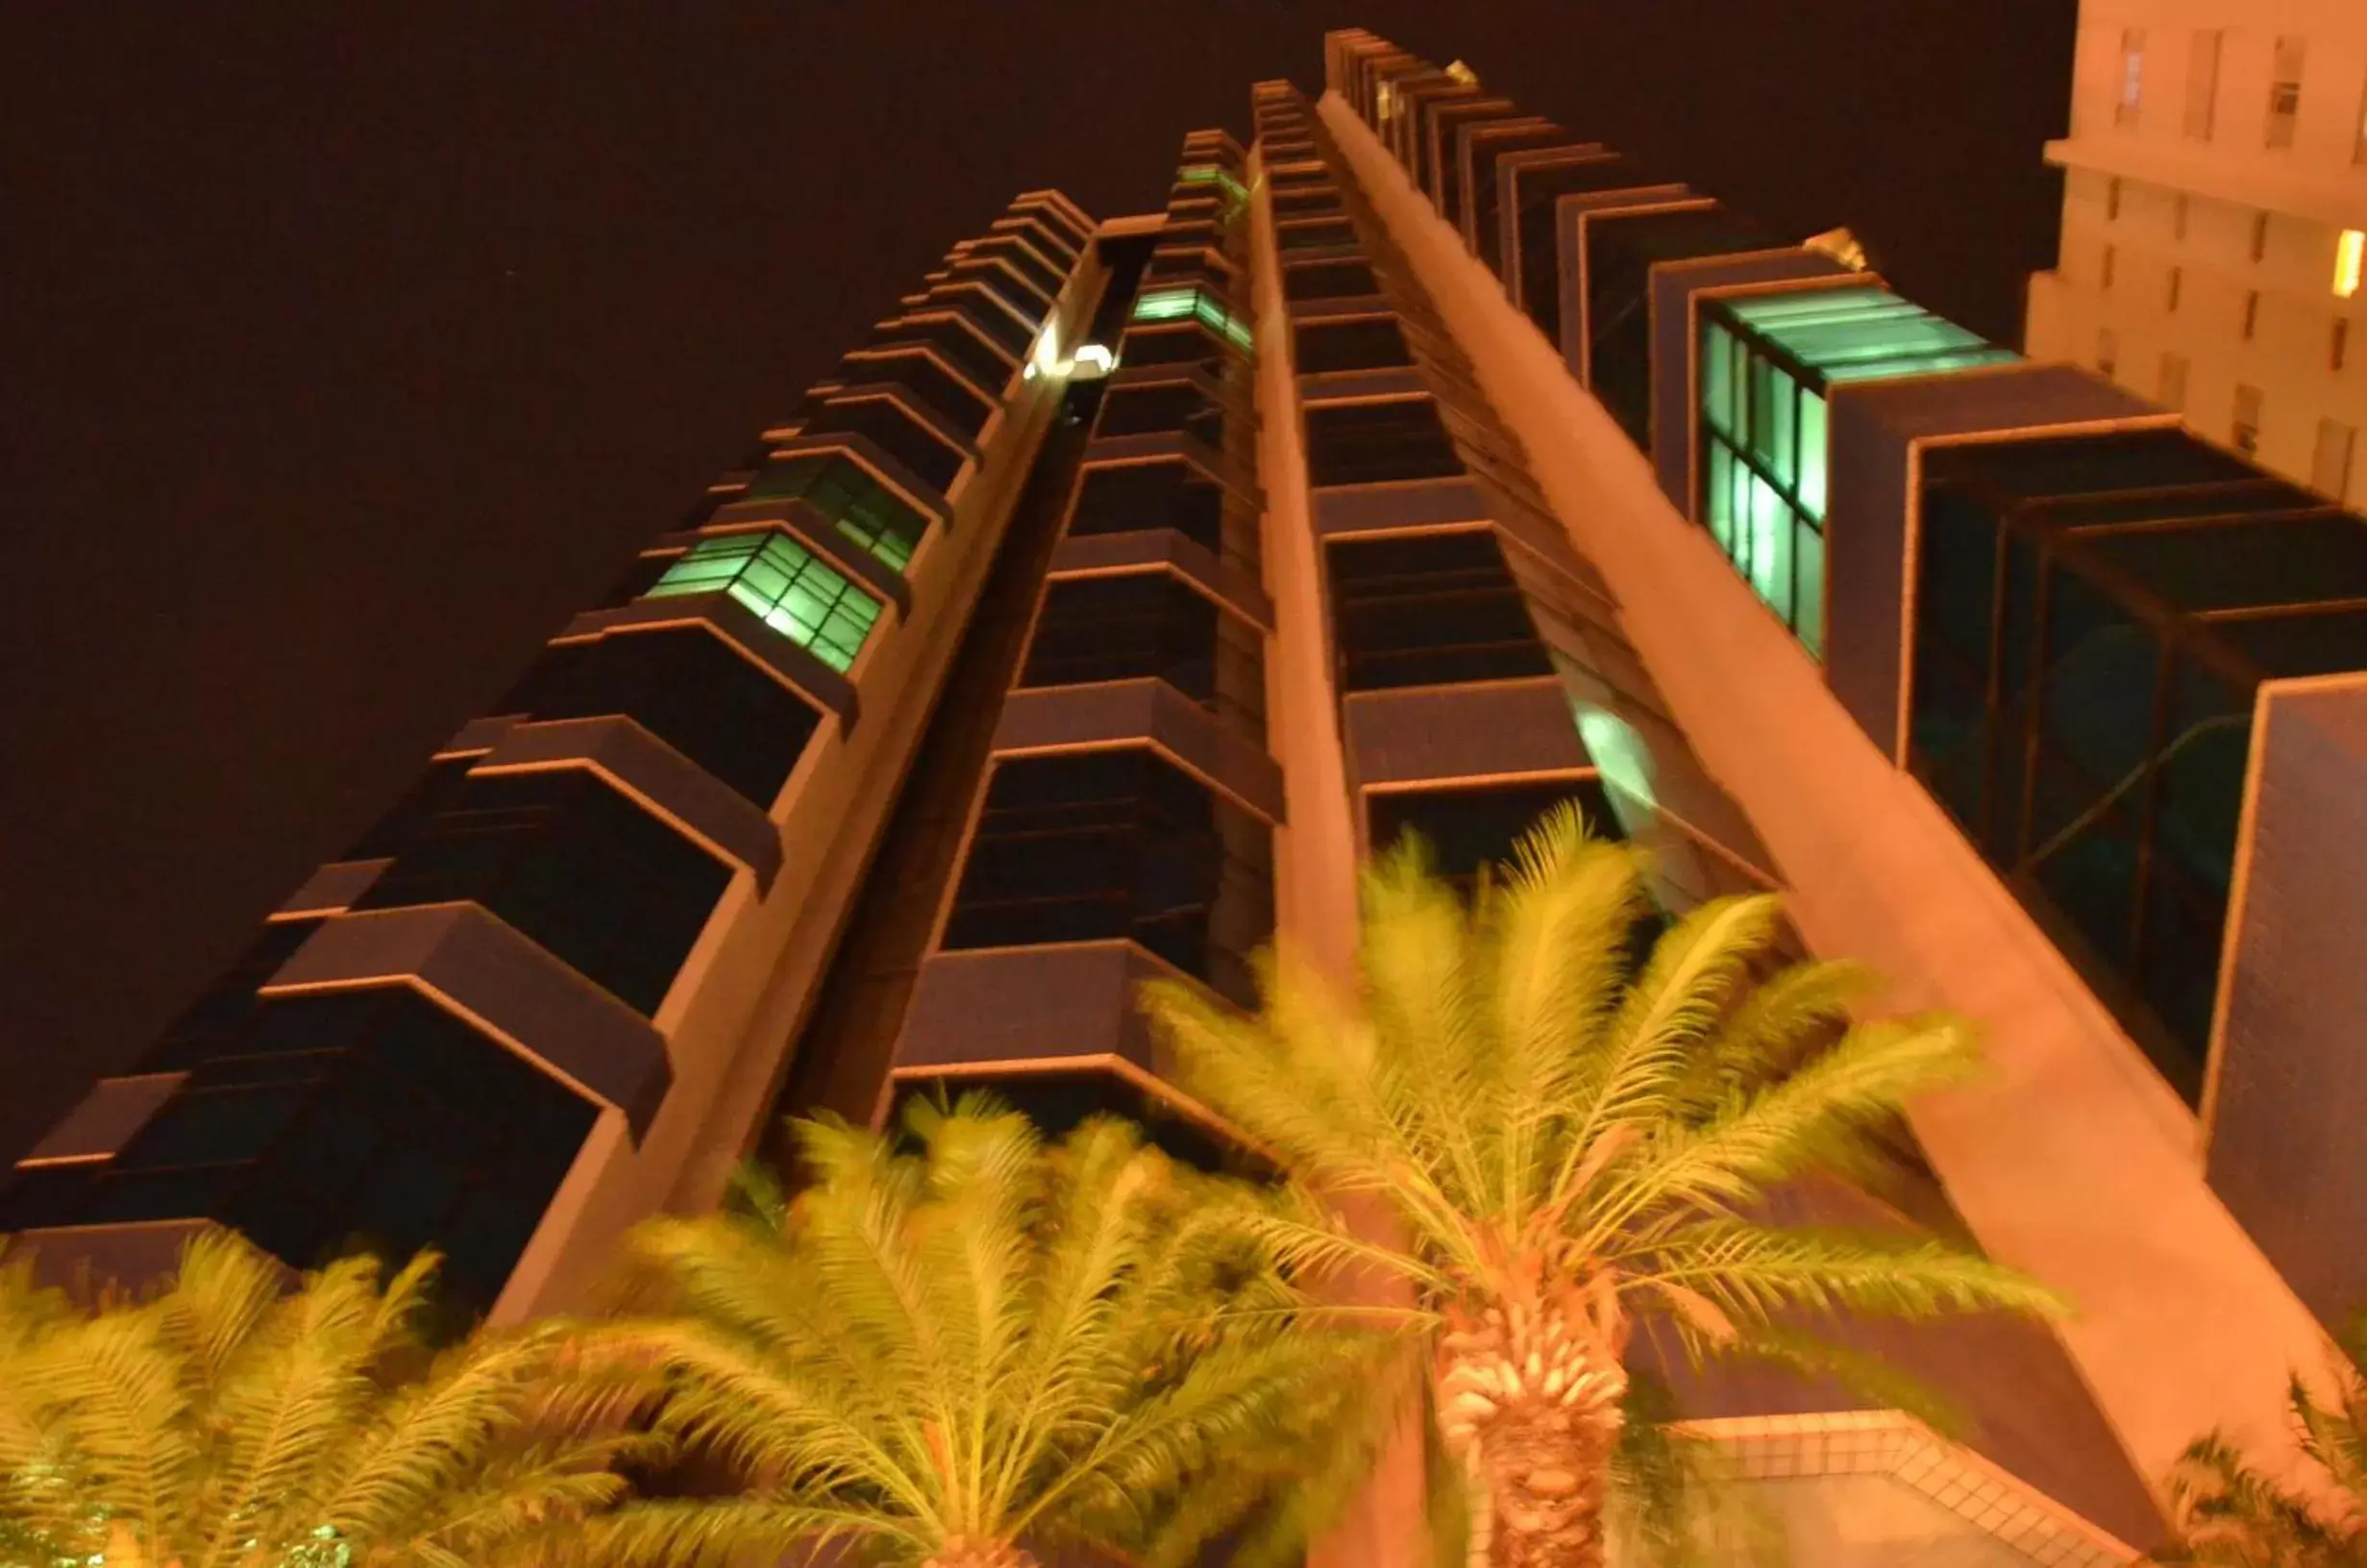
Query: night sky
<point>346,349</point>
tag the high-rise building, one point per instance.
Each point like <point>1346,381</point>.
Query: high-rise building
<point>1419,466</point>
<point>2214,214</point>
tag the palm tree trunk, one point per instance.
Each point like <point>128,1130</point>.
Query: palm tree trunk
<point>1529,1403</point>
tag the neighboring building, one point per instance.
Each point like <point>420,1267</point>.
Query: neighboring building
<point>2214,203</point>
<point>1419,466</point>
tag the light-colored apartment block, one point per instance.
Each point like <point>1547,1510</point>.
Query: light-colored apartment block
<point>2214,197</point>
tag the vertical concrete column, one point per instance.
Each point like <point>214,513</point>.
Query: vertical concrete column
<point>2074,1159</point>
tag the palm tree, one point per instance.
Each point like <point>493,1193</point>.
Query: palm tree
<point>231,1422</point>
<point>963,1353</point>
<point>1567,1144</point>
<point>2226,1513</point>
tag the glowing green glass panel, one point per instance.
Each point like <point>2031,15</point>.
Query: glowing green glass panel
<point>1166,305</point>
<point>1718,378</point>
<point>1782,456</point>
<point>789,587</point>
<point>1770,563</point>
<point>1761,308</point>
<point>1625,764</point>
<point>1808,618</point>
<point>1719,497</point>
<point>1810,491</point>
<point>1212,174</point>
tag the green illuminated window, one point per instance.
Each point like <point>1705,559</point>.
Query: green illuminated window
<point>856,504</point>
<point>1767,362</point>
<point>785,583</point>
<point>1210,173</point>
<point>1178,304</point>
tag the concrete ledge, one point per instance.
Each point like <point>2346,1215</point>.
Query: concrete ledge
<point>332,888</point>
<point>1385,508</point>
<point>1449,735</point>
<point>1121,712</point>
<point>1083,555</point>
<point>1344,385</point>
<point>1021,1005</point>
<point>85,1259</point>
<point>740,627</point>
<point>109,1118</point>
<point>676,788</point>
<point>478,735</point>
<point>804,521</point>
<point>502,983</point>
<point>938,503</point>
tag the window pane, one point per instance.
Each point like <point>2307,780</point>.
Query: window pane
<point>1809,572</point>
<point>1720,497</point>
<point>1718,378</point>
<point>1811,488</point>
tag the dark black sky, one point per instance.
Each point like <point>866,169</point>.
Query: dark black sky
<point>346,349</point>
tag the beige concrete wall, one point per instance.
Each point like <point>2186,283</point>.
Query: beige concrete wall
<point>2074,1159</point>
<point>2189,201</point>
<point>1315,850</point>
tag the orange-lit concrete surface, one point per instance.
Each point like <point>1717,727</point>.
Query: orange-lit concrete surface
<point>1315,852</point>
<point>2074,1160</point>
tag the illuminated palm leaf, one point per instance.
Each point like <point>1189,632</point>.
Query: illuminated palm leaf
<point>1567,1144</point>
<point>230,1420</point>
<point>981,1348</point>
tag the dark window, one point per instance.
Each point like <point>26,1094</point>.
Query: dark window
<point>852,497</point>
<point>1150,410</point>
<point>948,395</point>
<point>1373,344</point>
<point>984,311</point>
<point>437,786</point>
<point>1367,443</point>
<point>1328,281</point>
<point>1050,218</point>
<point>1127,496</point>
<point>1541,261</point>
<point>599,882</point>
<point>1193,265</point>
<point>1620,256</point>
<point>1149,625</point>
<point>1467,829</point>
<point>1428,610</point>
<point>1109,845</point>
<point>1189,345</point>
<point>1307,236</point>
<point>1300,203</point>
<point>1016,251</point>
<point>964,347</point>
<point>384,1123</point>
<point>896,431</point>
<point>688,688</point>
<point>216,1021</point>
<point>990,277</point>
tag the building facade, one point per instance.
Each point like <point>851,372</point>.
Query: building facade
<point>2214,202</point>
<point>1420,465</point>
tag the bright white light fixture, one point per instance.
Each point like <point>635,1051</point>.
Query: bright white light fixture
<point>2346,258</point>
<point>1092,362</point>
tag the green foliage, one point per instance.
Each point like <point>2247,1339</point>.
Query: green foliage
<point>2228,1514</point>
<point>1531,1110</point>
<point>231,1421</point>
<point>973,1339</point>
